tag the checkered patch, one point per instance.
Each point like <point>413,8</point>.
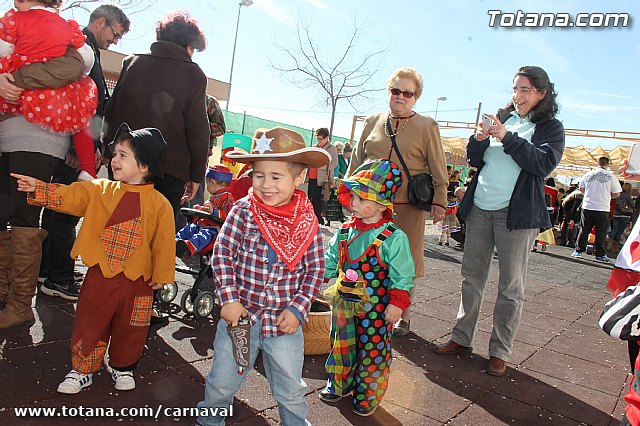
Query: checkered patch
<point>46,195</point>
<point>120,240</point>
<point>141,313</point>
<point>87,364</point>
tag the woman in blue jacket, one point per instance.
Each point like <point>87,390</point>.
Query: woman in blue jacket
<point>504,208</point>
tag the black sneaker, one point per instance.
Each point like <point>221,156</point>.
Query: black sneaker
<point>66,291</point>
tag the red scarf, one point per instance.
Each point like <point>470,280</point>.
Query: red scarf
<point>288,229</point>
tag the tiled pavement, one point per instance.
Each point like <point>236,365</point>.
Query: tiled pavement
<point>564,370</point>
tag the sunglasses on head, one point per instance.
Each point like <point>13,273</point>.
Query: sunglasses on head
<point>406,93</point>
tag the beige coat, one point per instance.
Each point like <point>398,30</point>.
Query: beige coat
<point>420,145</point>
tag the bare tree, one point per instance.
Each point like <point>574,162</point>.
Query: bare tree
<point>347,76</point>
<point>88,5</point>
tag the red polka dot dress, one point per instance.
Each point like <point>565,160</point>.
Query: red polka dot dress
<point>39,35</point>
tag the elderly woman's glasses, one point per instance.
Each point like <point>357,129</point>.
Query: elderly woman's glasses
<point>406,93</point>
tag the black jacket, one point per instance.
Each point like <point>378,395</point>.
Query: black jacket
<point>165,89</point>
<point>527,209</point>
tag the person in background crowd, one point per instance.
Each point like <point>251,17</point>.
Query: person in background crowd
<point>318,177</point>
<point>621,217</point>
<point>173,101</point>
<point>599,187</point>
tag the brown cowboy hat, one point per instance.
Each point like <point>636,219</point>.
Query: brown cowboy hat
<point>280,144</point>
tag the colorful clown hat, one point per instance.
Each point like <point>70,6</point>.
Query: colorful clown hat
<point>376,180</point>
<point>220,173</point>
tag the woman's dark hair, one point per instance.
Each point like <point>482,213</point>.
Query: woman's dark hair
<point>179,28</point>
<point>547,107</point>
<point>551,182</point>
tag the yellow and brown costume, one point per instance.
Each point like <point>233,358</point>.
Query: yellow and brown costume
<point>126,240</point>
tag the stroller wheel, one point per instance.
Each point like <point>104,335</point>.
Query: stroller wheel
<point>167,293</point>
<point>185,303</point>
<point>203,305</point>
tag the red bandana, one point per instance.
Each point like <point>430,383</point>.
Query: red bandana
<point>288,229</point>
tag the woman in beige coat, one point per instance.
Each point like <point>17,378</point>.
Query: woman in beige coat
<point>418,139</point>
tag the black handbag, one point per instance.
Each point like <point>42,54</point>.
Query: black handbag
<point>420,189</point>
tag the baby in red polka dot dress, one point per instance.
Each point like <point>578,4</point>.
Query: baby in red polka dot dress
<point>67,109</point>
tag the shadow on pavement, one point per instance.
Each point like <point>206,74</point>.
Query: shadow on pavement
<point>465,375</point>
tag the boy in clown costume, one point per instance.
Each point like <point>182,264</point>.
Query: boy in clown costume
<point>372,261</point>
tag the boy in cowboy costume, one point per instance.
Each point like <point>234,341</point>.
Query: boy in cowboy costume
<point>372,261</point>
<point>268,266</point>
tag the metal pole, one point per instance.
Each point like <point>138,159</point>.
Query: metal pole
<point>233,57</point>
<point>478,113</point>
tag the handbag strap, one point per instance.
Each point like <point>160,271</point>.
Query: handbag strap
<point>395,146</point>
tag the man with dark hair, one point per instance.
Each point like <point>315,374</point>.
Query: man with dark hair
<point>107,25</point>
<point>599,186</point>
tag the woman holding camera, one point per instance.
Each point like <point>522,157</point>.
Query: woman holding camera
<point>418,139</point>
<point>504,207</point>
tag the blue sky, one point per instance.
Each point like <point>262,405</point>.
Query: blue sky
<point>595,71</point>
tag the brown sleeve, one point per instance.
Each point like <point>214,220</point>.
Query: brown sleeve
<point>437,164</point>
<point>55,73</point>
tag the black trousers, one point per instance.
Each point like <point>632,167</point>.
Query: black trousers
<point>14,209</point>
<point>314,191</point>
<point>588,220</point>
<point>173,190</point>
<point>57,263</point>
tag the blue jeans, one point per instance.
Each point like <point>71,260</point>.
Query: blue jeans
<point>283,357</point>
<point>618,225</point>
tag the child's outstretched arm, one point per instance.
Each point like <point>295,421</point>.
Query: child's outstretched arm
<point>25,183</point>
<point>71,199</point>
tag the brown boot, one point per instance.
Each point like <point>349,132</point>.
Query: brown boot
<point>27,253</point>
<point>5,266</point>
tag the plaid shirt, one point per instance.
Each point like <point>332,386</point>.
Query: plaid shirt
<point>242,273</point>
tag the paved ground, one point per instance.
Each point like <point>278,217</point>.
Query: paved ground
<point>564,370</point>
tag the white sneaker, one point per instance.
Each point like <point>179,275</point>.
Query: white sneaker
<point>74,382</point>
<point>124,380</point>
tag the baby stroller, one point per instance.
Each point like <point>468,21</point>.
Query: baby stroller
<point>199,300</point>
